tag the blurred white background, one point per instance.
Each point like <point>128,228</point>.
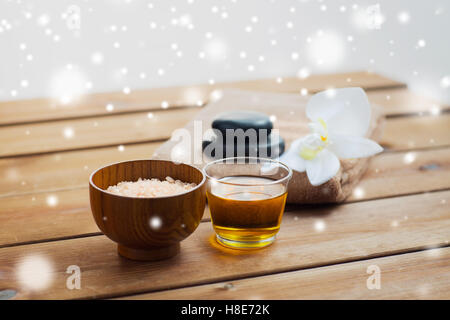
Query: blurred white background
<point>68,48</point>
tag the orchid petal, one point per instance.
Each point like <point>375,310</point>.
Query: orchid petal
<point>322,168</point>
<point>292,158</point>
<point>346,111</point>
<point>346,147</point>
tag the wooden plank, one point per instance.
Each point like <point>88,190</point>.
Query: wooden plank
<point>418,275</point>
<point>26,220</point>
<point>23,111</point>
<point>34,217</point>
<point>351,232</point>
<point>20,174</point>
<point>399,134</point>
<point>66,170</point>
<point>416,132</point>
<point>403,101</point>
<point>48,216</point>
<point>91,132</point>
<point>393,174</point>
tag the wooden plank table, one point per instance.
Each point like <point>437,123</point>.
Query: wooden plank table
<point>398,218</point>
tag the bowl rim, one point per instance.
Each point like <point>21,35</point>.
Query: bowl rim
<point>199,185</point>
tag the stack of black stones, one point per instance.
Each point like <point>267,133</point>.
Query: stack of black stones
<point>243,134</point>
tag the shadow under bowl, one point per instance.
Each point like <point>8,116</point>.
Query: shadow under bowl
<point>147,228</point>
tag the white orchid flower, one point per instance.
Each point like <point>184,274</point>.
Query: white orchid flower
<point>340,120</point>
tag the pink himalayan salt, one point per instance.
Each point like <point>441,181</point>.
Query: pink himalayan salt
<point>149,188</point>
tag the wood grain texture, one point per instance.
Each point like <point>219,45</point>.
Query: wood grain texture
<point>65,170</point>
<point>21,176</point>
<point>49,216</point>
<point>404,101</point>
<point>393,174</point>
<point>418,275</point>
<point>399,134</point>
<point>91,132</point>
<point>45,109</point>
<point>128,220</point>
<point>24,217</point>
<point>416,132</point>
<point>354,231</point>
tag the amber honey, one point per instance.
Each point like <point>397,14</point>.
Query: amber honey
<point>246,211</point>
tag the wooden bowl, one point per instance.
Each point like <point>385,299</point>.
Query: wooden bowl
<point>129,221</point>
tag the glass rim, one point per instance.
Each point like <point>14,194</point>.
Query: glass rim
<point>287,177</point>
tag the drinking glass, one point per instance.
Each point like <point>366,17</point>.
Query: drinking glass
<point>246,198</point>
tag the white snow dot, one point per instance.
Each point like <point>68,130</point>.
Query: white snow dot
<point>303,73</point>
<point>24,83</point>
<point>155,223</point>
<point>52,200</point>
<point>97,58</point>
<point>68,132</point>
<point>304,91</point>
<point>409,158</point>
<point>295,56</point>
<point>358,193</point>
<point>109,107</point>
<point>43,20</point>
<point>164,104</point>
<point>126,90</point>
<point>421,43</point>
<point>435,110</point>
<point>121,148</point>
<point>445,82</point>
<point>319,225</point>
<point>330,93</point>
<point>403,17</point>
<point>34,273</point>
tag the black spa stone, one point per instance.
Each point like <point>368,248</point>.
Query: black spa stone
<point>217,149</point>
<point>242,120</point>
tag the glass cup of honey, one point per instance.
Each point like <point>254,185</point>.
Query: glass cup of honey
<point>246,198</point>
